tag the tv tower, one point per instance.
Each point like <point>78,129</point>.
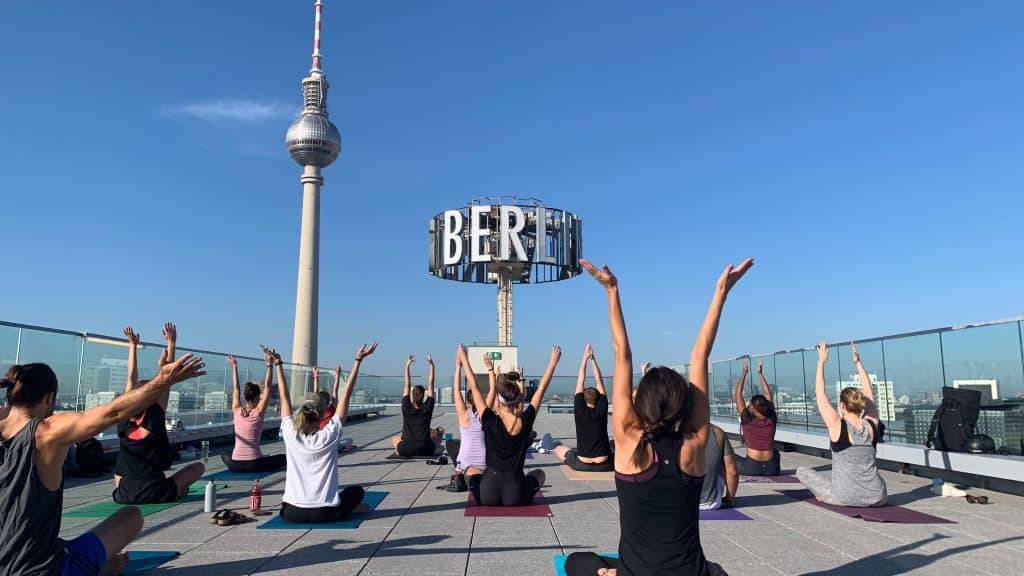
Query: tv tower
<point>314,142</point>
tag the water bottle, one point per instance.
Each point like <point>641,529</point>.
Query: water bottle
<point>211,497</point>
<point>205,452</point>
<point>256,497</point>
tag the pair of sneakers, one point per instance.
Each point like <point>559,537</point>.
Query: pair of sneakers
<point>545,445</point>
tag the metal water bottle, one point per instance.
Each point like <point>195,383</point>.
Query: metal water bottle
<point>256,497</point>
<point>211,497</point>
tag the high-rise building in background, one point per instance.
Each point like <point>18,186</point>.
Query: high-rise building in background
<point>215,401</point>
<point>174,402</point>
<point>989,388</point>
<point>94,399</point>
<point>447,395</point>
<point>884,397</point>
<point>314,143</point>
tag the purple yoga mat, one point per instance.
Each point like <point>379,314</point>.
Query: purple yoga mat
<point>723,514</point>
<point>894,514</point>
<point>770,479</point>
<point>536,510</point>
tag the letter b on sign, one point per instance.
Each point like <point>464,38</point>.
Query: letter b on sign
<point>452,237</point>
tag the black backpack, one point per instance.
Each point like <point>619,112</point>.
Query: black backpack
<point>954,420</point>
<point>89,457</point>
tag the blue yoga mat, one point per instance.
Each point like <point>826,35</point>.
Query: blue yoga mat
<point>229,476</point>
<point>142,562</point>
<point>560,563</point>
<point>372,499</point>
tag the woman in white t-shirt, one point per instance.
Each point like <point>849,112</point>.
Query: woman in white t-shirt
<point>311,481</point>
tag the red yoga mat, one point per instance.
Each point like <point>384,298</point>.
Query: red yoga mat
<point>536,510</point>
<point>894,514</point>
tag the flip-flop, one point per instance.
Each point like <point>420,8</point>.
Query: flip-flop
<point>219,515</point>
<point>232,519</point>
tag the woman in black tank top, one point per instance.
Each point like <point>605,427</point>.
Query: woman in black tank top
<point>660,437</point>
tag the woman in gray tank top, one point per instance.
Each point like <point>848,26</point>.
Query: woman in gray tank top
<point>853,434</point>
<point>34,442</point>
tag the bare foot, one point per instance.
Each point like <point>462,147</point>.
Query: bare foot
<point>607,572</point>
<point>363,508</point>
<point>540,476</point>
<point>115,565</point>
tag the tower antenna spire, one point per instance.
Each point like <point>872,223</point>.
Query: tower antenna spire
<point>319,7</point>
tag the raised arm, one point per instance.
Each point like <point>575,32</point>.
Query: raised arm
<point>545,380</point>
<point>644,368</point>
<point>870,407</point>
<point>478,398</point>
<point>408,377</point>
<point>133,358</point>
<point>581,377</point>
<point>623,414</point>
<point>337,386</point>
<point>268,379</point>
<point>598,379</point>
<point>430,378</point>
<point>825,408</point>
<point>492,378</point>
<point>700,413</point>
<point>765,388</point>
<point>460,400</point>
<point>741,404</point>
<point>69,428</point>
<point>236,403</point>
<point>170,333</point>
<point>282,382</point>
<point>341,410</point>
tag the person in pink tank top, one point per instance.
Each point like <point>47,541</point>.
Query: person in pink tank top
<point>248,421</point>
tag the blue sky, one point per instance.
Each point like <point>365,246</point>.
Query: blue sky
<point>868,155</point>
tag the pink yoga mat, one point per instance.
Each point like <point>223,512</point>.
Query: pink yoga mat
<point>894,514</point>
<point>770,479</point>
<point>536,510</point>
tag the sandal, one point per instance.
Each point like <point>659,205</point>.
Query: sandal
<point>976,499</point>
<point>219,515</point>
<point>232,519</point>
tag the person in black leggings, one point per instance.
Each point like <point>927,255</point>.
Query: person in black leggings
<point>507,431</point>
<point>660,437</point>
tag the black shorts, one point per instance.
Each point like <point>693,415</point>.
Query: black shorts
<point>148,491</point>
<point>493,488</point>
<point>408,449</point>
<point>573,461</point>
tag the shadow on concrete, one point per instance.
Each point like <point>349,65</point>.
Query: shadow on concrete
<point>901,559</point>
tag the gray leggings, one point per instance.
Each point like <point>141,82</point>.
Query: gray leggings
<point>819,483</point>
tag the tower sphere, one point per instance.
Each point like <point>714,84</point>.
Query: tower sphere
<point>313,140</point>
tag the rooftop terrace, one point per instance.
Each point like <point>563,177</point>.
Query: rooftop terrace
<point>420,530</point>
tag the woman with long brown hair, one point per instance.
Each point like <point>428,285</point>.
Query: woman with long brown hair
<point>660,436</point>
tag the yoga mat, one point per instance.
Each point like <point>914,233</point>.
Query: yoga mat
<point>394,456</point>
<point>229,476</point>
<point>529,456</point>
<point>196,493</point>
<point>372,499</point>
<point>536,510</point>
<point>560,563</point>
<point>723,514</point>
<point>894,514</point>
<point>571,474</point>
<point>770,479</point>
<point>142,562</point>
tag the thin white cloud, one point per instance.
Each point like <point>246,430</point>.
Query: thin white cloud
<point>233,110</point>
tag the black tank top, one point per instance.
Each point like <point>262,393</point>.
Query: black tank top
<point>30,523</point>
<point>659,518</point>
<point>148,457</point>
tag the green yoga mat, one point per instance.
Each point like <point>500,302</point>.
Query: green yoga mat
<point>196,493</point>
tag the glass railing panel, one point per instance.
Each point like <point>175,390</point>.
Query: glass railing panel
<point>988,359</point>
<point>913,370</point>
<point>787,380</point>
<point>61,352</point>
<point>8,347</point>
